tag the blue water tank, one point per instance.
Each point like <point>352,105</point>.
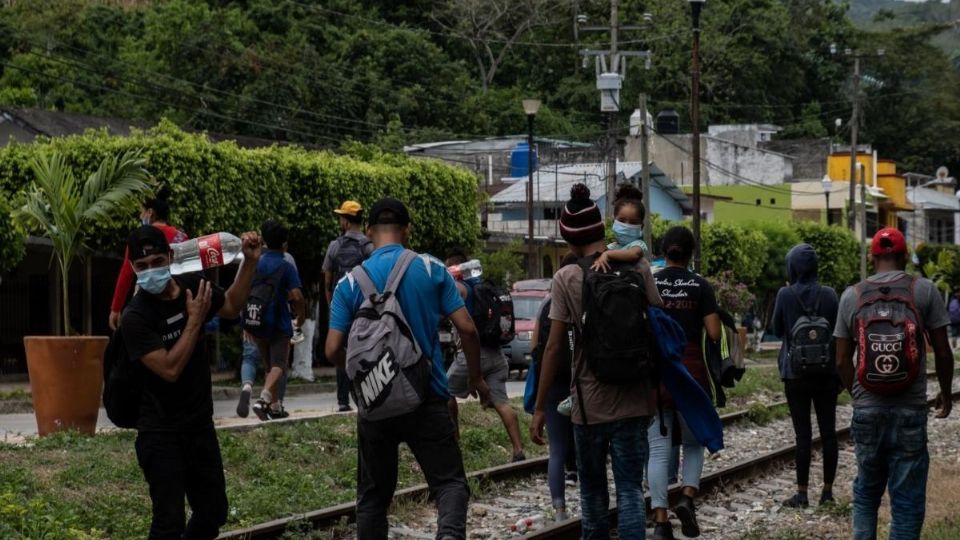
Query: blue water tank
<point>518,160</point>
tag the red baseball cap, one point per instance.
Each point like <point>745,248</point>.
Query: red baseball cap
<point>888,241</point>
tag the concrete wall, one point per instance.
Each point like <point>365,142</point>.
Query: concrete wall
<point>809,156</point>
<point>727,163</point>
<point>775,204</point>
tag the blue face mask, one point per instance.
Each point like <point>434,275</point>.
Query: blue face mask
<point>155,280</point>
<point>144,221</point>
<point>626,233</point>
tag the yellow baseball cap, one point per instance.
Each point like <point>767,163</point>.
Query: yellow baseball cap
<point>349,208</point>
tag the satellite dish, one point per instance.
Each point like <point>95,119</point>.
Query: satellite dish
<point>942,173</point>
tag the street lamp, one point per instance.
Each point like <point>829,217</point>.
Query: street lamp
<point>530,107</point>
<point>696,6</point>
<point>827,184</point>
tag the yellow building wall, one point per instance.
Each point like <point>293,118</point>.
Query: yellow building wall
<point>886,167</point>
<point>895,188</point>
<point>838,166</point>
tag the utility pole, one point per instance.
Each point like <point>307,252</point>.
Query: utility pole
<point>611,68</point>
<point>863,223</point>
<point>696,6</point>
<point>854,125</point>
<point>645,158</point>
<point>612,115</point>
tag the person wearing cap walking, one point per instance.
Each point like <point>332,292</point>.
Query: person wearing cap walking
<point>162,329</point>
<point>888,318</point>
<point>344,253</point>
<point>619,413</point>
<point>426,293</point>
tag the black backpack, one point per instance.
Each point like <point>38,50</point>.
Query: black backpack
<point>810,340</point>
<point>262,311</point>
<point>351,252</point>
<point>616,337</point>
<point>122,383</point>
<point>493,314</point>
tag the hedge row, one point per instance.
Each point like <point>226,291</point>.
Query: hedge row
<point>221,187</point>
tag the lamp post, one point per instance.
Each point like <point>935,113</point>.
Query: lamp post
<point>530,107</point>
<point>827,184</point>
<point>696,6</point>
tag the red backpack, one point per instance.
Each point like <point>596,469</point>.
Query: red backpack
<point>888,332</point>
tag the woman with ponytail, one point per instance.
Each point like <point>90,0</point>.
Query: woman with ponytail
<point>691,301</point>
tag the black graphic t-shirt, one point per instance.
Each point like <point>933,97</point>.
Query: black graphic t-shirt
<point>688,298</point>
<point>150,324</point>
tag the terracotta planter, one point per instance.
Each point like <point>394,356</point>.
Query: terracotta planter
<point>66,379</point>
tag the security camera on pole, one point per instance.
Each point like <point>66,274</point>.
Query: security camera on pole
<point>611,67</point>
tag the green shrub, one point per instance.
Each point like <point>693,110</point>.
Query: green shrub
<point>838,253</point>
<point>222,187</point>
<point>12,238</point>
<point>727,247</point>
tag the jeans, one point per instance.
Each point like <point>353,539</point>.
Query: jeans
<point>249,365</point>
<point>430,434</point>
<point>822,392</point>
<point>625,441</point>
<point>659,466</point>
<point>184,464</point>
<point>891,448</point>
<point>559,430</point>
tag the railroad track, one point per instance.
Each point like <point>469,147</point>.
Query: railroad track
<point>345,513</point>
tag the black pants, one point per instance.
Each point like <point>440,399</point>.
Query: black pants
<point>184,464</point>
<point>343,387</point>
<point>429,432</point>
<point>822,392</point>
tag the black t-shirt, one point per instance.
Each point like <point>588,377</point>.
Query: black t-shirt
<point>150,324</point>
<point>688,298</point>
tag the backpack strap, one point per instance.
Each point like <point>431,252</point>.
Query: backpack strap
<point>362,277</point>
<point>399,270</point>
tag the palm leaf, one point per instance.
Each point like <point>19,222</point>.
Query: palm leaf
<point>117,183</point>
<point>56,206</point>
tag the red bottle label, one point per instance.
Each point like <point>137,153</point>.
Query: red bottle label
<point>211,254</point>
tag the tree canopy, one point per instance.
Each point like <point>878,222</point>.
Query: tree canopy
<point>403,71</point>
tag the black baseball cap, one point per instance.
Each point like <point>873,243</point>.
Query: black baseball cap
<point>145,241</point>
<point>397,213</point>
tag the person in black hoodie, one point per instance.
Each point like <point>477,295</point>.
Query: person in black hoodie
<point>805,296</point>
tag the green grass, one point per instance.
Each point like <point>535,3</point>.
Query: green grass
<point>944,530</point>
<point>14,395</point>
<point>69,486</point>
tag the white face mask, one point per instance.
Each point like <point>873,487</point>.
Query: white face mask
<point>626,233</point>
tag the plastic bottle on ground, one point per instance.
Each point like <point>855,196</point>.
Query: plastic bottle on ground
<point>527,524</point>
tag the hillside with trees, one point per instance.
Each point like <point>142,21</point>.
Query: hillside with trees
<point>400,71</point>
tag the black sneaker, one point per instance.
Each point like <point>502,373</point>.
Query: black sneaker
<point>799,500</point>
<point>278,414</point>
<point>686,512</point>
<point>826,498</point>
<point>571,479</point>
<point>262,409</point>
<point>662,531</point>
<point>345,408</point>
<point>243,406</point>
<point>519,456</point>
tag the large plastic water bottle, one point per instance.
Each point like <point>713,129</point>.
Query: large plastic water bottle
<point>208,251</point>
<point>467,270</point>
<point>527,524</point>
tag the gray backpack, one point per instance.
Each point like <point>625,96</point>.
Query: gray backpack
<point>389,372</point>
